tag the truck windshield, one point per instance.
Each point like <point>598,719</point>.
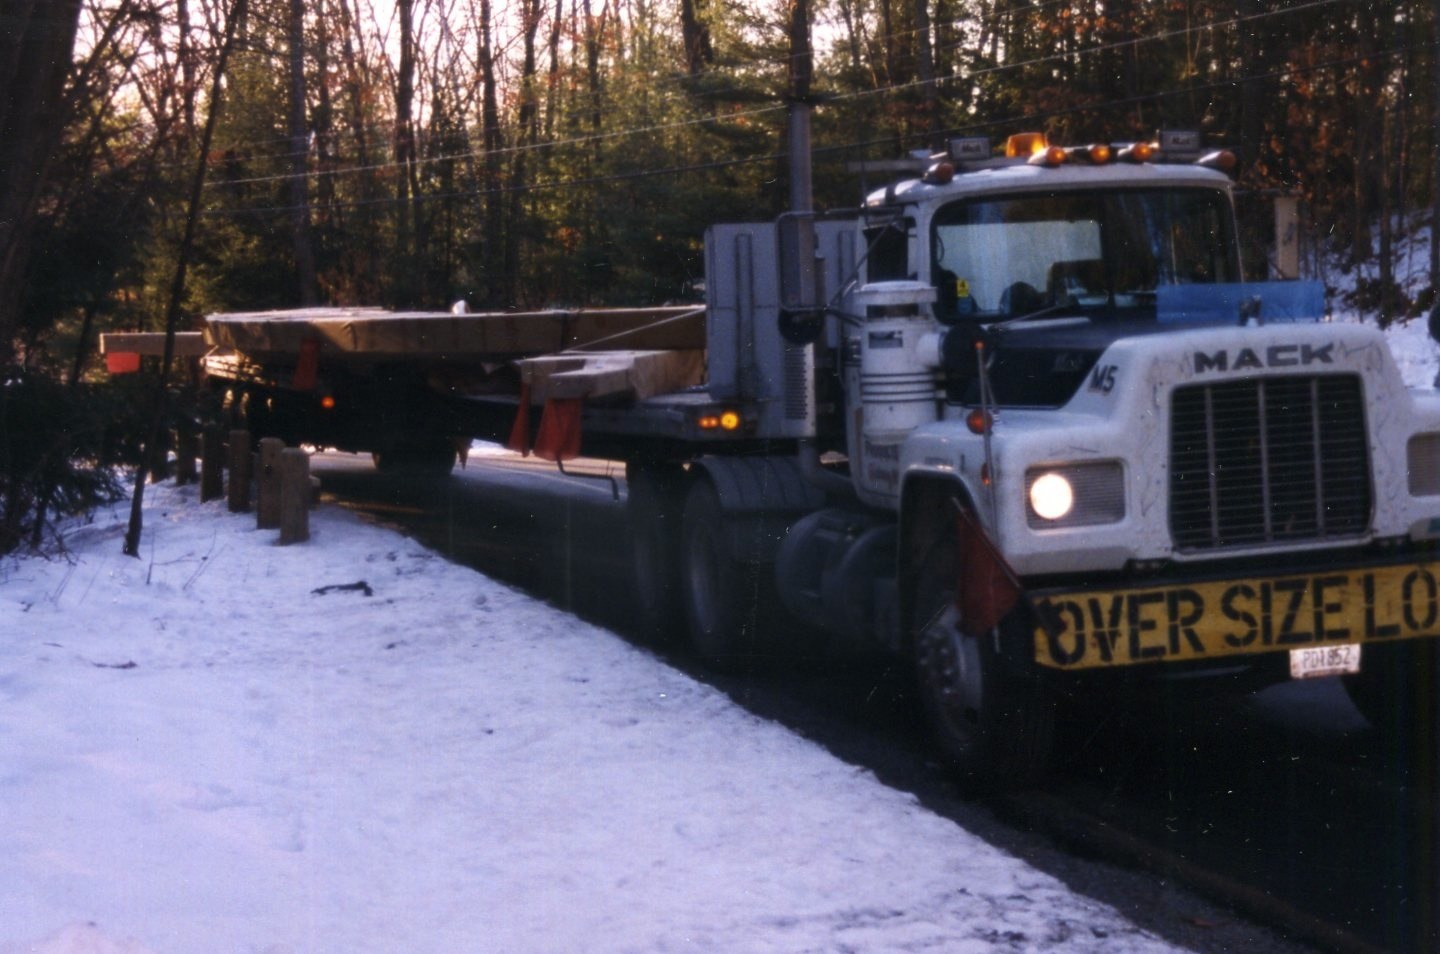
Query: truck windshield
<point>1097,253</point>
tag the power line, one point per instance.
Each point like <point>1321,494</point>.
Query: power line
<point>766,110</point>
<point>831,150</point>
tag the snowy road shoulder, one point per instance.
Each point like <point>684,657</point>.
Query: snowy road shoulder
<point>227,745</point>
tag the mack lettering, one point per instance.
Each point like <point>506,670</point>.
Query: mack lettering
<point>1275,356</point>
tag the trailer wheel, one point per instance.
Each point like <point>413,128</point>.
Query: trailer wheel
<point>991,727</point>
<point>723,595</point>
<point>655,507</point>
<point>430,458</point>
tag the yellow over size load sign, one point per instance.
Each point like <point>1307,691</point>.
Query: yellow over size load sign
<point>1191,621</point>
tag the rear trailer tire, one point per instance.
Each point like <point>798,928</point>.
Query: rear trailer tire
<point>431,458</point>
<point>722,595</point>
<point>654,510</point>
<point>994,729</point>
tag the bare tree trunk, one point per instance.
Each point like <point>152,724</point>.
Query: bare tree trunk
<point>594,29</point>
<point>404,130</point>
<point>695,36</point>
<point>852,19</point>
<point>187,68</point>
<point>177,283</point>
<point>552,106</point>
<point>1369,130</point>
<point>363,228</point>
<point>1435,150</point>
<point>323,119</point>
<point>490,123</point>
<point>925,73</point>
<point>36,45</point>
<point>529,132</point>
<point>299,161</point>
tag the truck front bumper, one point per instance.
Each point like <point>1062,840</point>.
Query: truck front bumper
<point>1379,599</point>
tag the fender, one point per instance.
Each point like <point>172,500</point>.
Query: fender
<point>760,485</point>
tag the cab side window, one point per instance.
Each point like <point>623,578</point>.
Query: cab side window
<point>888,257</point>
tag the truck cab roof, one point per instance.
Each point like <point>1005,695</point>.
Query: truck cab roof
<point>1028,178</point>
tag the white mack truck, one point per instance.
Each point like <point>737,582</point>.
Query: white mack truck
<point>1017,421</point>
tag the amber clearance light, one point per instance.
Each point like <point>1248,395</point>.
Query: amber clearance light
<point>723,421</point>
<point>1049,156</point>
<point>1138,152</point>
<point>1024,145</point>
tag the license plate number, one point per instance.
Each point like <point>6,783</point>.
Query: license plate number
<point>1317,661</point>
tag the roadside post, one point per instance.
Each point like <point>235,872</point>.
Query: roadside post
<point>238,490</point>
<point>294,496</point>
<point>267,484</point>
<point>212,463</point>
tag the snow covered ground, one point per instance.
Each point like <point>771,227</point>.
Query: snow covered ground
<point>207,750</point>
<point>231,746</point>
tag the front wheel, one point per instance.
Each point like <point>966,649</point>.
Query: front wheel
<point>1393,686</point>
<point>992,727</point>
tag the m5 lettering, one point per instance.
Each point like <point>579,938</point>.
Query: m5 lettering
<point>1102,378</point>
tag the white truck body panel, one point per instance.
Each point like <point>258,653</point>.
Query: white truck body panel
<point>1122,415</point>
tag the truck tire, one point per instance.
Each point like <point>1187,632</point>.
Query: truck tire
<point>992,728</point>
<point>432,458</point>
<point>1391,690</point>
<point>722,595</point>
<point>654,511</point>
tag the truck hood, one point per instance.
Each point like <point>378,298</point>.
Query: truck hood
<point>1041,364</point>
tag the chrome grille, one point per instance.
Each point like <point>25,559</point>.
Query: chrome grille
<point>1268,461</point>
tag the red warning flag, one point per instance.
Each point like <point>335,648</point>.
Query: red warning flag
<point>987,588</point>
<point>559,435</point>
<point>520,431</point>
<point>122,362</point>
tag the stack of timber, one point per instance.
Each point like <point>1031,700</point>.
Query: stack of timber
<point>607,374</point>
<point>362,334</point>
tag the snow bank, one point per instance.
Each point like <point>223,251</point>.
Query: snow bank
<point>227,745</point>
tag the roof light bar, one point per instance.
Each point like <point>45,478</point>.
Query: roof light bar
<point>1097,154</point>
<point>939,173</point>
<point>1138,152</point>
<point>1049,156</point>
<point>1222,160</point>
<point>1024,145</point>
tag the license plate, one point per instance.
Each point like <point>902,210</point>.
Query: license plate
<point>1324,661</point>
<point>1210,619</point>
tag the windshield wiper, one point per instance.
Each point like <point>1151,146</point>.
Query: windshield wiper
<point>1040,313</point>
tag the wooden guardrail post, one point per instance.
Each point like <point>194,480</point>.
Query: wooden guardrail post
<point>267,484</point>
<point>160,457</point>
<point>294,495</point>
<point>212,463</point>
<point>187,448</point>
<point>239,459</point>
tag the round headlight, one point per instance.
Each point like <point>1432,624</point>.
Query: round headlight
<point>1051,496</point>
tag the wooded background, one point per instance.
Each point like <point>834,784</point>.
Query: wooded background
<point>571,152</point>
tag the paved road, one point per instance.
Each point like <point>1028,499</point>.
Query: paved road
<point>1287,804</point>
